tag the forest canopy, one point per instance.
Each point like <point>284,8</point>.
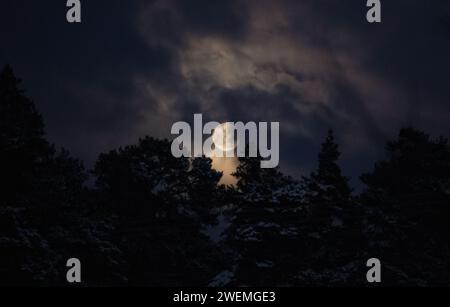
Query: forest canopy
<point>155,220</point>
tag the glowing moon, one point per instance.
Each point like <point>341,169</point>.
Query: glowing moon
<point>223,137</point>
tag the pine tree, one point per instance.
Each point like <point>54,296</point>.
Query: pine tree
<point>44,212</point>
<point>260,238</point>
<point>22,140</point>
<point>407,209</point>
<point>331,228</point>
<point>328,185</point>
<point>159,204</point>
<point>205,196</point>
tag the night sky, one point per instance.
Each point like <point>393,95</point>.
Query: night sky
<point>133,68</point>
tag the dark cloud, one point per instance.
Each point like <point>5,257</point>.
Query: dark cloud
<point>134,68</point>
<point>216,17</point>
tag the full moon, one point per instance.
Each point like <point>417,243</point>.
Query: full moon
<point>223,137</point>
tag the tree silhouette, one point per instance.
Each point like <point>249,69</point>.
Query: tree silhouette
<point>261,239</point>
<point>44,211</point>
<point>331,227</point>
<point>22,140</point>
<point>328,185</point>
<point>156,199</point>
<point>407,209</point>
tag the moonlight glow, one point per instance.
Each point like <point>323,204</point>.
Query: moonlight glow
<point>223,137</point>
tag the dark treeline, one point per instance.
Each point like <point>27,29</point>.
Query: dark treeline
<point>152,219</point>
